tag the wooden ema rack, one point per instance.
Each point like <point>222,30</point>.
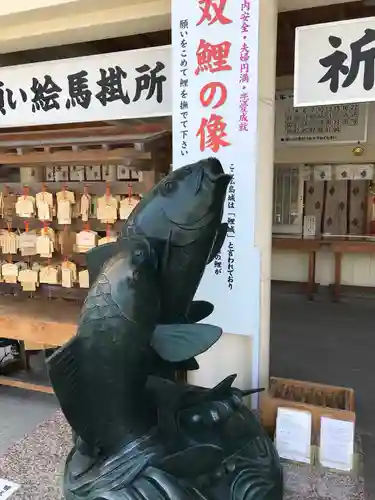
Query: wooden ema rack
<point>48,316</point>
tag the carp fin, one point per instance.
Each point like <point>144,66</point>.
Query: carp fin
<point>97,257</point>
<point>64,376</point>
<point>176,343</point>
<point>219,241</point>
<point>218,392</point>
<point>192,462</point>
<point>225,384</point>
<point>188,365</point>
<point>199,309</point>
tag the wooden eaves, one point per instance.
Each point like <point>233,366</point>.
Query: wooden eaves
<point>104,144</point>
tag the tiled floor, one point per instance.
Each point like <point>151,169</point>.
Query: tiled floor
<point>319,341</point>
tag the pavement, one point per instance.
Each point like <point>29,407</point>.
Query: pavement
<point>334,344</point>
<point>21,412</point>
<point>316,341</point>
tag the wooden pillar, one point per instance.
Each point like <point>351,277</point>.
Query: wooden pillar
<point>337,284</point>
<point>311,275</point>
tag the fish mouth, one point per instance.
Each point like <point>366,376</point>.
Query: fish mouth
<point>194,225</point>
<point>213,165</point>
<point>220,178</point>
<point>213,169</point>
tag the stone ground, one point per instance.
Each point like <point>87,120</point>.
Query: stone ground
<point>330,343</point>
<point>36,463</point>
<point>317,341</point>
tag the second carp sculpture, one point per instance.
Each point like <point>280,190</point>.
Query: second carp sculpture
<point>139,434</point>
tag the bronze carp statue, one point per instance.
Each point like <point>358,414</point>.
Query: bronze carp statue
<point>138,433</point>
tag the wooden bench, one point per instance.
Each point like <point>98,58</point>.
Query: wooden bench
<point>309,246</point>
<point>339,247</point>
<point>39,321</point>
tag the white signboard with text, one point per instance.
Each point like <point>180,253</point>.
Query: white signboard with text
<point>318,125</point>
<point>336,449</point>
<point>7,488</point>
<point>215,61</point>
<point>293,434</point>
<point>129,84</point>
<point>334,63</point>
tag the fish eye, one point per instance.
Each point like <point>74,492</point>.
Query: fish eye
<point>188,169</point>
<point>168,187</point>
<point>138,258</point>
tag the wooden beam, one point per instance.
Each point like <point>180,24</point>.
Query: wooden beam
<point>156,39</point>
<point>93,187</point>
<point>137,164</point>
<point>20,137</point>
<point>21,384</point>
<point>88,135</point>
<point>95,135</point>
<point>93,156</point>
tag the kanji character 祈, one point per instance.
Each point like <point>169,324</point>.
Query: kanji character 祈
<point>362,52</point>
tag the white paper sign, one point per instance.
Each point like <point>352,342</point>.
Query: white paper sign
<point>363,172</point>
<point>322,172</point>
<point>215,64</point>
<point>330,63</point>
<point>336,444</point>
<point>318,125</point>
<point>293,435</point>
<point>130,84</point>
<point>7,488</point>
<point>309,226</point>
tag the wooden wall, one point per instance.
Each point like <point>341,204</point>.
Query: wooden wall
<point>339,207</point>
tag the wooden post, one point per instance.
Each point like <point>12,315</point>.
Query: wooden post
<point>337,284</point>
<point>311,275</point>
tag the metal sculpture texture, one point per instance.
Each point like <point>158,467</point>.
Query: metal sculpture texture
<point>139,434</point>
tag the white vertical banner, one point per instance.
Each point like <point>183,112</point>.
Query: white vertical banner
<point>215,98</point>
